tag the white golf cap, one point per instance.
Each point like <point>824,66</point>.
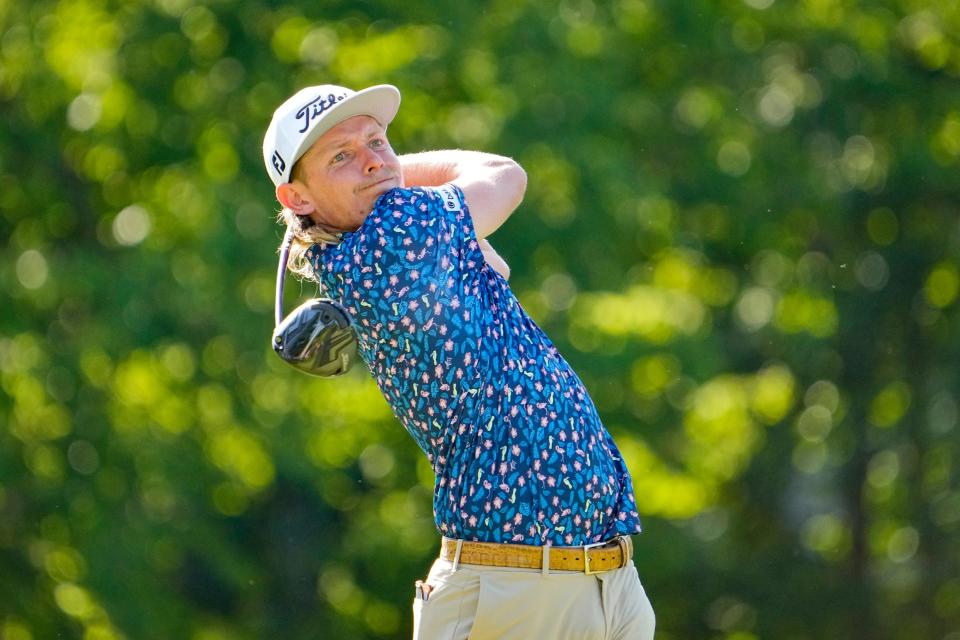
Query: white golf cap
<point>311,112</point>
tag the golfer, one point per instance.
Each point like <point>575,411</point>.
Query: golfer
<point>532,498</point>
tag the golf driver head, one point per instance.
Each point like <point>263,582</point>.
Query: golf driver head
<point>316,338</point>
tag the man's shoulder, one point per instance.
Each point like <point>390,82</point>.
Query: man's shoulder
<point>404,205</point>
<point>448,195</point>
<point>411,214</point>
<point>403,197</point>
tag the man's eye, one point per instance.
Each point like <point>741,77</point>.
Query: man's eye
<point>340,157</point>
<point>377,142</point>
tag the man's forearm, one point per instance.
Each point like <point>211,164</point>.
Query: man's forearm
<point>434,168</point>
<point>428,168</point>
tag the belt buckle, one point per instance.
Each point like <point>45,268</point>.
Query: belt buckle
<point>586,557</point>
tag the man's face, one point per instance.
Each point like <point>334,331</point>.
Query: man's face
<point>341,176</point>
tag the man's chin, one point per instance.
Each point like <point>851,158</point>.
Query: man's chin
<point>386,185</point>
<point>382,188</point>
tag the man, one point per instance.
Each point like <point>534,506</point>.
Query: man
<point>533,500</point>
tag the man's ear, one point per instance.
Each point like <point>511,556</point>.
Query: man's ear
<point>292,196</point>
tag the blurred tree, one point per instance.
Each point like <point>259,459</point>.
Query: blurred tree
<point>741,229</point>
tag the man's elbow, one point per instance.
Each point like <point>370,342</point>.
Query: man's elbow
<point>515,181</point>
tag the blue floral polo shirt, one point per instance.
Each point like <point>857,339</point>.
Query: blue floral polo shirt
<point>519,452</point>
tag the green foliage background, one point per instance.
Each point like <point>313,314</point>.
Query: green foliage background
<point>741,228</point>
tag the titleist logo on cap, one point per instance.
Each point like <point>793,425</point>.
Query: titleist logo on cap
<point>316,107</point>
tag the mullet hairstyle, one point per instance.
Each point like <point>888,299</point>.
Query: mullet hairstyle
<point>306,233</point>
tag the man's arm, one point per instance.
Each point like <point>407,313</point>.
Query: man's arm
<point>475,173</point>
<point>492,185</point>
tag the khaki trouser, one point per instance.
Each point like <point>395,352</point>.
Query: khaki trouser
<point>500,603</point>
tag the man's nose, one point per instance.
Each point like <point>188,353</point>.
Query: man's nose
<point>371,161</point>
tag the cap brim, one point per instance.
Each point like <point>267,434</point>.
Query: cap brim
<point>380,102</point>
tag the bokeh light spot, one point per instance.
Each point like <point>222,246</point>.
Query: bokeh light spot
<point>73,600</point>
<point>827,535</point>
<point>131,226</point>
<point>734,158</point>
<point>890,405</point>
<point>84,112</point>
<point>32,270</point>
<point>942,285</point>
<point>755,308</point>
<point>903,544</point>
<point>83,457</point>
<point>883,469</point>
<point>872,271</point>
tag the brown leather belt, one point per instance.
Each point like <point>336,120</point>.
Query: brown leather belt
<point>591,558</point>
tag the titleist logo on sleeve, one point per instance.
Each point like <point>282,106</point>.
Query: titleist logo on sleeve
<point>316,107</point>
<point>450,200</point>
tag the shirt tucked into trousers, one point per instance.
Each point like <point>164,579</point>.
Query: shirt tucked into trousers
<point>514,439</point>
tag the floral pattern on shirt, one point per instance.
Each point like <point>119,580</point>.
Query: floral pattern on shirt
<point>518,449</point>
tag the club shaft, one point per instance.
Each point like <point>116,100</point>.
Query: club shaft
<point>281,275</point>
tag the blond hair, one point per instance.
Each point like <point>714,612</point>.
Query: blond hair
<point>306,233</point>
